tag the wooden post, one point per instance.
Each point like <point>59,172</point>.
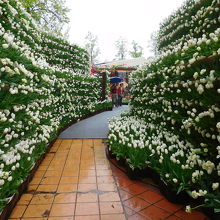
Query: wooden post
<point>103,86</point>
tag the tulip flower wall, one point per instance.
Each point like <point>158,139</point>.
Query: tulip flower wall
<point>192,20</point>
<point>174,122</point>
<point>43,86</point>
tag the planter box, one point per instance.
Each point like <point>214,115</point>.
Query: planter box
<point>134,174</point>
<point>181,198</point>
<point>121,162</point>
<point>148,172</point>
<point>210,213</point>
<point>10,206</point>
<point>154,175</point>
<point>109,153</point>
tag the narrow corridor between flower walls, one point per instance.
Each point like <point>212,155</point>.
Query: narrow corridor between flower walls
<point>76,181</point>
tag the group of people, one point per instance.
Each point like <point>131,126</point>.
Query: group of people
<point>117,92</point>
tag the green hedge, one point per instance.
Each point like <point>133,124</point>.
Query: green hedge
<point>44,85</point>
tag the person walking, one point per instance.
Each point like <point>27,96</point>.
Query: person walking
<point>120,92</point>
<point>114,95</point>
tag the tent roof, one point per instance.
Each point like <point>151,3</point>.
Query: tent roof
<point>124,63</point>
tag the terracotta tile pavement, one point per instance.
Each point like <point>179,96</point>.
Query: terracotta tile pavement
<point>76,182</point>
<point>143,201</point>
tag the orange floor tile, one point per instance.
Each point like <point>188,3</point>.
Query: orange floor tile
<point>76,182</point>
<point>145,202</point>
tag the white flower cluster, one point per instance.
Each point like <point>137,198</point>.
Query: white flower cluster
<point>162,147</point>
<point>61,57</point>
<point>185,24</point>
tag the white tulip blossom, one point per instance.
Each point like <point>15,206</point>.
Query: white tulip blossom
<point>215,186</point>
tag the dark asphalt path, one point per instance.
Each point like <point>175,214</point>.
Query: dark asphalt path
<point>93,127</point>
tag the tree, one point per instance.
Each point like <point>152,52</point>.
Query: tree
<point>65,33</point>
<point>152,43</point>
<point>50,14</point>
<point>121,45</point>
<point>91,47</point>
<point>137,50</point>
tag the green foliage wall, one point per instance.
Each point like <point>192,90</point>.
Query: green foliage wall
<point>193,20</point>
<point>44,85</point>
<point>174,122</point>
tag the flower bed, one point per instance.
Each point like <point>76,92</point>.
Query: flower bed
<point>174,122</point>
<point>43,87</point>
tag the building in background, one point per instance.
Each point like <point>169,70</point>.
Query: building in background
<point>121,68</point>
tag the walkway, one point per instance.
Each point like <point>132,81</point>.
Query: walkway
<point>93,127</point>
<point>77,182</point>
<point>74,180</point>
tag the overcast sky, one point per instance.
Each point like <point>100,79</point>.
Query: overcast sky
<point>111,19</point>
